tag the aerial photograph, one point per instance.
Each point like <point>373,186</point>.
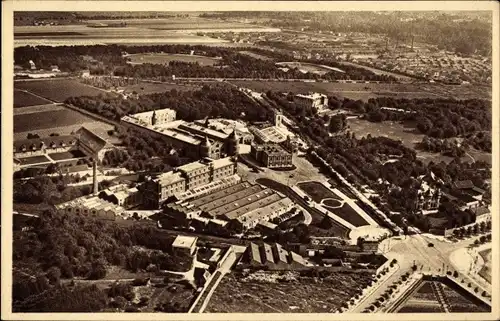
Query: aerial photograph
<point>252,162</point>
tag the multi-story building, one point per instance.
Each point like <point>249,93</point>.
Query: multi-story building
<point>243,205</point>
<point>316,101</point>
<point>196,140</point>
<point>272,155</point>
<point>122,195</point>
<point>186,177</point>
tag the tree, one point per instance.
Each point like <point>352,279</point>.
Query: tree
<point>54,275</point>
<point>336,124</point>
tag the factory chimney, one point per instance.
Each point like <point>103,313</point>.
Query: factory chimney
<point>94,175</point>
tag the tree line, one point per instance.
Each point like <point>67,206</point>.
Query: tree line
<point>112,59</point>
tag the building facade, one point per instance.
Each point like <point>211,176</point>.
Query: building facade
<point>186,177</point>
<point>272,155</point>
<point>196,140</point>
<point>315,101</point>
<point>122,195</point>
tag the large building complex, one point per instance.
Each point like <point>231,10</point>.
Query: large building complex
<point>187,177</point>
<point>315,101</point>
<point>92,206</point>
<point>53,149</point>
<point>244,205</point>
<point>274,257</point>
<point>196,140</point>
<point>272,155</point>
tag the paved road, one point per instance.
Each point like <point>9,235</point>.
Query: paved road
<point>414,249</point>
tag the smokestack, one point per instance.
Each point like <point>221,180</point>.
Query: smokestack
<point>94,173</point>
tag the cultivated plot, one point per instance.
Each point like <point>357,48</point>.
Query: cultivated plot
<point>25,99</point>
<point>58,90</point>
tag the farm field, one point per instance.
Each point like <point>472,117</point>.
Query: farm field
<point>364,91</point>
<point>38,109</point>
<point>261,293</point>
<point>58,90</point>
<point>409,136</point>
<point>165,58</point>
<point>48,119</point>
<point>485,271</point>
<point>145,88</point>
<point>317,191</point>
<point>33,160</point>
<point>24,99</point>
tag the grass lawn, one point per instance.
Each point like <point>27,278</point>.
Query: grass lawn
<point>331,202</point>
<point>165,58</point>
<point>33,160</point>
<point>349,214</point>
<point>236,293</point>
<point>409,136</point>
<point>58,89</point>
<point>255,55</point>
<point>48,119</point>
<point>485,271</point>
<point>24,99</point>
<point>67,155</point>
<point>317,191</point>
<point>462,303</point>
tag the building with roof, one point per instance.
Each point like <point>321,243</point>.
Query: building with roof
<point>187,177</point>
<point>122,195</point>
<point>92,206</point>
<point>184,244</point>
<point>315,101</point>
<point>227,126</point>
<point>83,142</point>
<point>195,139</point>
<point>244,205</point>
<point>272,155</point>
<point>273,257</point>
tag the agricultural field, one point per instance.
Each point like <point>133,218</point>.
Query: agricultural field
<point>317,191</point>
<point>48,119</point>
<point>409,136</point>
<point>58,90</point>
<point>25,99</point>
<point>365,91</point>
<point>61,120</point>
<point>485,271</point>
<point>145,88</point>
<point>261,292</point>
<point>165,58</point>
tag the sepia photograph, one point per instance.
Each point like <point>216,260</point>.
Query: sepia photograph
<point>226,160</point>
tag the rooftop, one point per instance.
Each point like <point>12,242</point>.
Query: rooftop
<point>169,178</point>
<point>185,242</point>
<point>201,130</point>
